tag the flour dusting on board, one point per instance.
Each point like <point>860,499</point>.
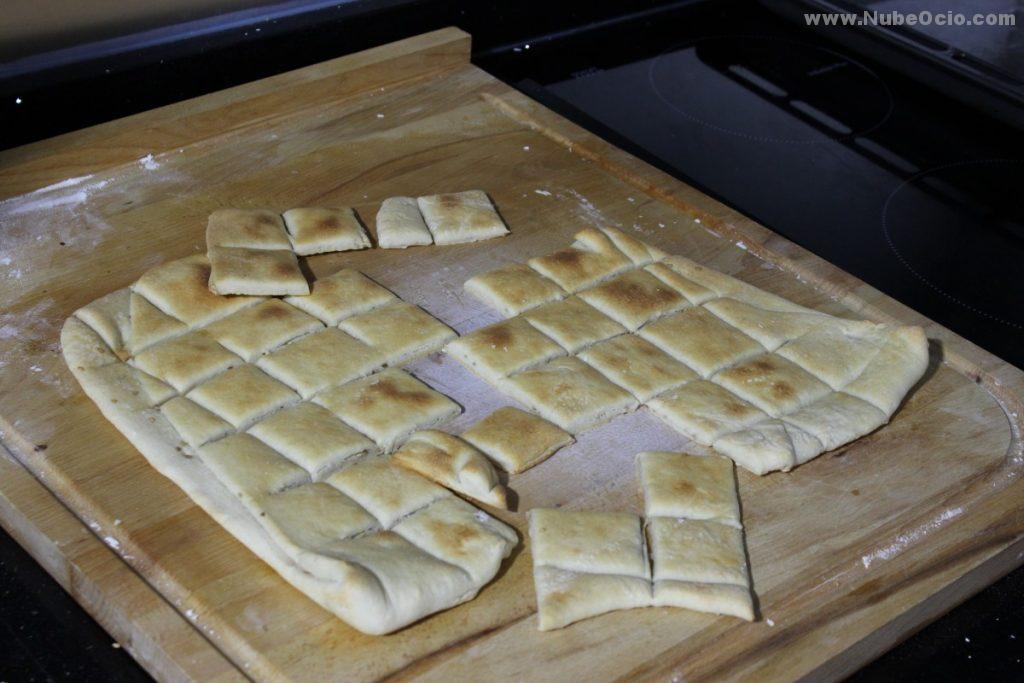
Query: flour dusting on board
<point>907,538</point>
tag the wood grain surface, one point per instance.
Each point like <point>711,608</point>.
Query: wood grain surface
<point>849,553</point>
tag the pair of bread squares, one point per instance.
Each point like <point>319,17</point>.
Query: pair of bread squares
<point>589,563</point>
<point>453,218</point>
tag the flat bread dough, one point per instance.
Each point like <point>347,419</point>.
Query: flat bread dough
<point>689,487</point>
<point>574,269</point>
<point>454,464</point>
<point>342,295</point>
<point>700,340</point>
<point>302,487</point>
<point>400,224</point>
<point>388,406</point>
<point>323,359</point>
<point>634,298</point>
<point>513,289</point>
<point>318,230</point>
<point>399,331</point>
<point>247,228</point>
<point>573,323</point>
<point>515,439</point>
<point>460,217</point>
<point>637,366</point>
<point>498,350</point>
<point>569,393</point>
<point>264,272</point>
<point>257,330</point>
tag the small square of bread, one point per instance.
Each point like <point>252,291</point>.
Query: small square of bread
<point>704,411</point>
<point>388,406</point>
<point>248,228</point>
<point>312,517</point>
<point>185,361</point>
<point>499,350</point>
<point>255,330</point>
<point>696,294</point>
<point>312,437</point>
<point>697,551</point>
<point>610,239</point>
<point>342,295</point>
<point>319,230</point>
<point>108,317</point>
<point>195,424</point>
<point>387,491</point>
<point>460,534</point>
<point>772,383</point>
<point>515,439</point>
<point>565,597</point>
<point>569,393</point>
<point>454,464</point>
<point>249,468</point>
<point>513,289</point>
<point>689,487</point>
<point>637,366</point>
<point>267,272</point>
<point>181,289</point>
<point>399,331</point>
<point>771,328</point>
<point>699,339</point>
<point>712,598</point>
<point>634,298</point>
<point>837,419</point>
<point>400,224</point>
<point>242,395</point>
<point>589,542</point>
<point>461,217</point>
<point>320,360</point>
<point>768,445</point>
<point>149,324</point>
<point>575,269</point>
<point>573,323</point>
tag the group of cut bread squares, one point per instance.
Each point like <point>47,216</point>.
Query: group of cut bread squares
<point>297,407</point>
<point>254,252</point>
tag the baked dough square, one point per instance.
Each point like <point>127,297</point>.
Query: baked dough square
<point>575,269</point>
<point>181,289</point>
<point>341,295</point>
<point>585,564</point>
<point>515,439</point>
<point>589,542</point>
<point>771,328</point>
<point>261,328</point>
<point>697,551</point>
<point>461,217</point>
<point>569,393</point>
<point>689,487</point>
<point>704,411</point>
<point>699,339</point>
<point>454,464</point>
<point>727,286</point>
<point>399,331</point>
<point>311,436</point>
<point>185,361</point>
<point>573,323</point>
<point>634,298</point>
<point>460,534</point>
<point>768,445</point>
<point>196,425</point>
<point>320,360</point>
<point>610,239</point>
<point>400,224</point>
<point>772,383</point>
<point>696,294</point>
<point>249,468</point>
<point>108,317</point>
<point>388,492</point>
<point>713,598</point>
<point>513,289</point>
<point>388,406</point>
<point>313,517</point>
<point>242,395</point>
<point>637,365</point>
<point>499,350</point>
<point>837,419</point>
<point>319,230</point>
<point>149,324</point>
<point>246,228</point>
<point>266,272</point>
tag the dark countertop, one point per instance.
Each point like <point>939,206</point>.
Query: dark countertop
<point>48,636</point>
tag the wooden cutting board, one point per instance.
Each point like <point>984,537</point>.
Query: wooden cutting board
<point>849,553</point>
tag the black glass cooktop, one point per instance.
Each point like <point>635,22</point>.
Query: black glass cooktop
<point>912,192</point>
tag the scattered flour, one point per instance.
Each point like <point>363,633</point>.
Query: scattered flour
<point>906,539</point>
<point>112,542</point>
<point>543,193</point>
<point>149,163</point>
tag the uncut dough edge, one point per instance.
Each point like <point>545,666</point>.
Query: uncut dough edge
<point>157,441</point>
